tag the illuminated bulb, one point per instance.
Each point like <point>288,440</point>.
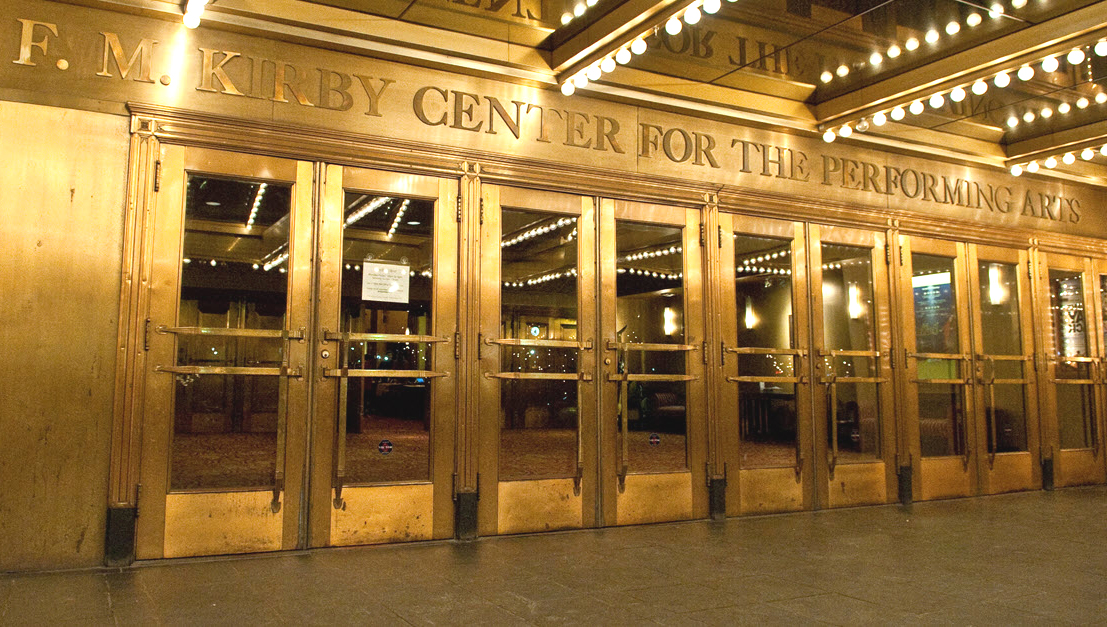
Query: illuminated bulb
<point>1016,170</point>
<point>898,114</point>
<point>979,88</point>
<point>692,15</point>
<point>957,95</point>
<point>1012,122</point>
<point>568,88</point>
<point>622,57</point>
<point>826,77</point>
<point>579,9</point>
<point>593,72</point>
<point>1076,56</point>
<point>845,131</point>
<point>936,101</point>
<point>1082,103</point>
<point>639,46</point>
<point>1029,117</point>
<point>673,26</point>
<point>829,136</point>
<point>1101,49</point>
<point>995,10</point>
<point>894,52</point>
<point>1047,113</point>
<point>1103,150</point>
<point>1002,80</point>
<point>1032,167</point>
<point>1063,108</point>
<point>931,36</point>
<point>842,70</point>
<point>953,28</point>
<point>880,119</point>
<point>191,20</point>
<point>973,19</point>
<point>1026,73</point>
<point>875,58</point>
<point>580,81</point>
<point>1018,4</point>
<point>607,65</point>
<point>1050,64</point>
<point>1050,163</point>
<point>566,18</point>
<point>1101,97</point>
<point>1069,158</point>
<point>916,107</point>
<point>712,7</point>
<point>911,44</point>
<point>591,3</point>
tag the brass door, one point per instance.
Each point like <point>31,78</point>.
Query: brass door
<point>1072,405</point>
<point>560,448</point>
<point>384,391</point>
<point>225,398</point>
<point>806,330</point>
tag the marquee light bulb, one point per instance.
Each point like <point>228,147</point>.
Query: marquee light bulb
<point>1032,167</point>
<point>1103,150</point>
<point>876,58</point>
<point>829,136</point>
<point>1002,80</point>
<point>826,77</point>
<point>712,7</point>
<point>1029,117</point>
<point>916,107</point>
<point>957,95</point>
<point>1050,163</point>
<point>1018,4</point>
<point>568,88</point>
<point>1063,108</point>
<point>980,88</point>
<point>911,44</point>
<point>580,80</point>
<point>898,114</point>
<point>622,57</point>
<point>593,72</point>
<point>579,9</point>
<point>639,46</point>
<point>932,36</point>
<point>1087,154</point>
<point>1050,64</point>
<point>1069,158</point>
<point>973,19</point>
<point>1012,122</point>
<point>566,18</point>
<point>1082,103</point>
<point>953,28</point>
<point>673,26</point>
<point>894,52</point>
<point>607,65</point>
<point>845,131</point>
<point>1076,56</point>
<point>1047,113</point>
<point>1101,97</point>
<point>842,70</point>
<point>1026,73</point>
<point>995,10</point>
<point>191,20</point>
<point>692,16</point>
<point>880,119</point>
<point>1101,49</point>
<point>1016,170</point>
<point>936,101</point>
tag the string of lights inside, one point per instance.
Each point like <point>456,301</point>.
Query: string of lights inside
<point>690,15</point>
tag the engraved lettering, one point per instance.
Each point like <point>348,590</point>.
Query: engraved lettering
<point>211,71</point>
<point>375,96</point>
<point>27,40</point>
<point>419,101</point>
<point>141,57</point>
<point>327,89</point>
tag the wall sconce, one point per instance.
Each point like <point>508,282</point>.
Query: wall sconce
<point>751,319</point>
<point>997,291</point>
<point>856,309</point>
<point>670,321</point>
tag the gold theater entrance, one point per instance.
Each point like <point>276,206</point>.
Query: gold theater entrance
<point>970,395</point>
<point>806,341</point>
<point>589,410</point>
<point>299,386</point>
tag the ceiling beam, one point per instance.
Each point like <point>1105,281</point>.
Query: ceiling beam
<point>1029,44</point>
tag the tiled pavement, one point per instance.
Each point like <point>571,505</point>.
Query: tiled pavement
<point>1038,557</point>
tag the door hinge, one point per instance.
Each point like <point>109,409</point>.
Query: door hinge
<point>705,352</point>
<point>459,208</point>
<point>138,496</point>
<point>457,345</point>
<point>703,235</point>
<point>887,254</point>
<point>157,176</point>
<point>901,255</point>
<point>482,210</point>
<point>480,340</point>
<point>146,336</point>
<point>720,237</point>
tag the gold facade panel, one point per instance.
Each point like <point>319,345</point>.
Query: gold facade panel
<point>944,478</point>
<point>858,484</point>
<point>1011,472</point>
<point>378,514</point>
<point>1080,467</point>
<point>769,491</point>
<point>543,505</point>
<point>658,497</point>
<point>221,523</point>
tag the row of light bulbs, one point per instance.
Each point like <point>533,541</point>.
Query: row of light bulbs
<point>766,257</point>
<point>762,270</point>
<point>932,36</point>
<point>1047,112</point>
<point>652,254</point>
<point>690,15</point>
<point>673,276</point>
<point>366,210</point>
<point>399,216</point>
<point>979,87</point>
<point>257,204</point>
<point>539,230</point>
<point>1051,162</point>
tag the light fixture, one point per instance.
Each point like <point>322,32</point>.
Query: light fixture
<point>568,88</point>
<point>880,119</point>
<point>638,46</point>
<point>1087,154</point>
<point>1101,97</point>
<point>842,70</point>
<point>607,65</point>
<point>673,26</point>
<point>936,101</point>
<point>893,52</point>
<point>845,131</point>
<point>750,318</point>
<point>1082,103</point>
<point>1069,158</point>
<point>1076,56</point>
<point>931,36</point>
<point>669,326</point>
<point>1103,150</point>
<point>1012,122</point>
<point>1064,108</point>
<point>916,107</point>
<point>953,28</point>
<point>692,15</point>
<point>593,72</point>
<point>623,56</point>
<point>1018,4</point>
<point>957,95</point>
<point>1050,64</point>
<point>1047,113</point>
<point>579,9</point>
<point>1026,73</point>
<point>980,88</point>
<point>876,58</point>
<point>998,293</point>
<point>826,76</point>
<point>1032,167</point>
<point>829,136</point>
<point>898,113</point>
<point>911,44</point>
<point>1016,170</point>
<point>1029,117</point>
<point>855,308</point>
<point>995,10</point>
<point>973,19</point>
<point>1002,80</point>
<point>712,7</point>
<point>1100,48</point>
<point>1050,163</point>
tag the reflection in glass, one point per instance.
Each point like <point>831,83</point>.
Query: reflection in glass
<point>848,325</point>
<point>234,276</point>
<point>538,302</point>
<point>649,309</point>
<point>1075,401</point>
<point>387,247</point>
<point>941,405</point>
<point>1002,336</point>
<point>766,408</point>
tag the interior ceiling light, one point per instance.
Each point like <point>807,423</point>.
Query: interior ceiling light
<point>995,10</point>
<point>931,36</point>
<point>193,10</point>
<point>1064,108</point>
<point>973,19</point>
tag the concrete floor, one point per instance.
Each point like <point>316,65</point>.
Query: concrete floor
<point>1039,557</point>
